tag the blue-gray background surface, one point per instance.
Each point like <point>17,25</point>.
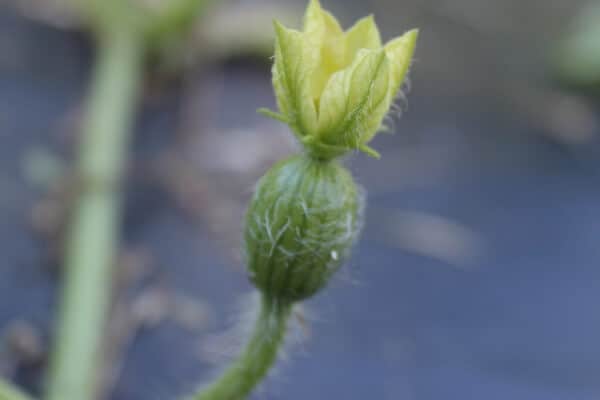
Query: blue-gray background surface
<point>508,308</point>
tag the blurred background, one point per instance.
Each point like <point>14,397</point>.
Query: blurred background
<point>477,273</point>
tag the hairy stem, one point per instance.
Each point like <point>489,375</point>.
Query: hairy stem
<point>92,241</point>
<point>256,359</point>
<point>10,392</point>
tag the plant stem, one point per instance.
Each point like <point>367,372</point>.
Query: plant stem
<point>92,241</point>
<point>177,18</point>
<point>256,359</point>
<point>10,392</point>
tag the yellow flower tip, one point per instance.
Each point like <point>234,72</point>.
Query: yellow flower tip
<point>410,39</point>
<point>400,51</point>
<point>280,32</point>
<point>414,32</point>
<point>334,88</point>
<point>312,16</point>
<point>313,6</point>
<point>332,25</point>
<point>280,29</point>
<point>363,35</point>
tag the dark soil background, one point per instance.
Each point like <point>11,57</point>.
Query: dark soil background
<point>477,275</point>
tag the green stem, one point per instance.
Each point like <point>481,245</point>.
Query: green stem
<point>176,19</point>
<point>10,392</point>
<point>256,359</point>
<point>93,234</point>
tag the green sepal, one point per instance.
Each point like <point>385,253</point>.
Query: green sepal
<point>320,150</point>
<point>371,152</point>
<point>273,115</point>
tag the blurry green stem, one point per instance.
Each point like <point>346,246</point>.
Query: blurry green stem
<point>176,19</point>
<point>256,359</point>
<point>9,392</point>
<point>92,241</point>
<point>123,33</point>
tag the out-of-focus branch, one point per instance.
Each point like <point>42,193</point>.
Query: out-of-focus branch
<point>577,57</point>
<point>94,228</point>
<point>171,22</point>
<point>10,392</point>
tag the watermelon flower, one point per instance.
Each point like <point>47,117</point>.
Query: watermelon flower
<point>334,88</point>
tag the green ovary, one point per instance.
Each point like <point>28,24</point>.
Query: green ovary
<point>300,226</point>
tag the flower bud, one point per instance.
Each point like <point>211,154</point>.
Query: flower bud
<point>334,88</point>
<point>301,223</point>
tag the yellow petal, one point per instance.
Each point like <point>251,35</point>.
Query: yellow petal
<point>316,19</point>
<point>295,62</point>
<point>355,100</point>
<point>332,107</point>
<point>332,25</point>
<point>363,35</point>
<point>371,80</point>
<point>400,51</point>
<point>332,44</point>
<point>326,36</point>
<point>313,16</point>
<point>314,27</point>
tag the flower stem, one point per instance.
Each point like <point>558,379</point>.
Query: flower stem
<point>256,359</point>
<point>10,392</point>
<point>92,241</point>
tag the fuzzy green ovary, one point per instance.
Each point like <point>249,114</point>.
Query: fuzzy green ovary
<point>300,226</point>
<point>336,228</point>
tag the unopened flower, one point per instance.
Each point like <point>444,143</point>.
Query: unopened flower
<point>334,88</point>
